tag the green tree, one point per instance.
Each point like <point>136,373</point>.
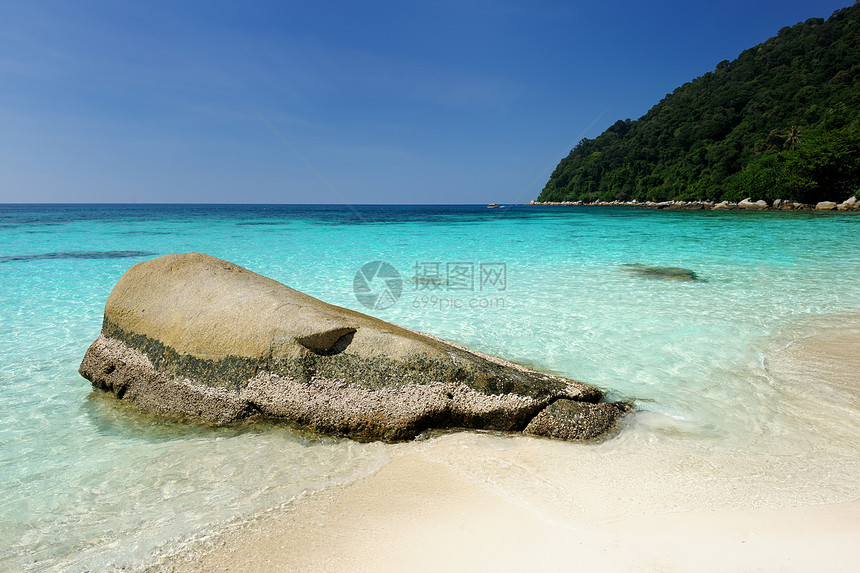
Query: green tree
<point>721,135</point>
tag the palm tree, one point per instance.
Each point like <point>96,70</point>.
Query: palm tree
<point>793,138</point>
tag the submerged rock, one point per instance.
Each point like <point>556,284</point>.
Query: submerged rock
<point>664,273</point>
<point>198,336</point>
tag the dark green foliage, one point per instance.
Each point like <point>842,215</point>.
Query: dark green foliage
<point>782,121</point>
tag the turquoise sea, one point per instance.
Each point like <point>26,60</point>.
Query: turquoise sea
<point>724,417</point>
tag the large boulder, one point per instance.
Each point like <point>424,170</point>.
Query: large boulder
<point>198,336</point>
<point>849,204</point>
<point>749,205</point>
<point>724,206</point>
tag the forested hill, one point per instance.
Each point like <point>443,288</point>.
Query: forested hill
<point>782,121</point>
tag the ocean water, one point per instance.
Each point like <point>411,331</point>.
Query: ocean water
<point>726,416</point>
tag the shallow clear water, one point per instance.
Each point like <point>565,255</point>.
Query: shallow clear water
<point>88,483</point>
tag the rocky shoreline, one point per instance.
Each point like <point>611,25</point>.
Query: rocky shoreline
<point>851,204</point>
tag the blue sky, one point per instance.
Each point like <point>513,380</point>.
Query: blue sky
<point>391,102</point>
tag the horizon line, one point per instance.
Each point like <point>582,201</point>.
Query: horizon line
<point>47,203</point>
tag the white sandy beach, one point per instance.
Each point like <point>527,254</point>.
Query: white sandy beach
<point>418,515</point>
<point>421,513</point>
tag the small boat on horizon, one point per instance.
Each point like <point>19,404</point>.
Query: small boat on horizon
<point>494,206</point>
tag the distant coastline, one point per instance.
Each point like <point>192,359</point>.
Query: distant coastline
<point>851,204</point>
<point>781,121</point>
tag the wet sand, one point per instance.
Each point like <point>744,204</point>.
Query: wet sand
<point>419,513</point>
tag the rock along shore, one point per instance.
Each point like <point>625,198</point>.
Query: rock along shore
<point>851,204</point>
<point>201,337</point>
